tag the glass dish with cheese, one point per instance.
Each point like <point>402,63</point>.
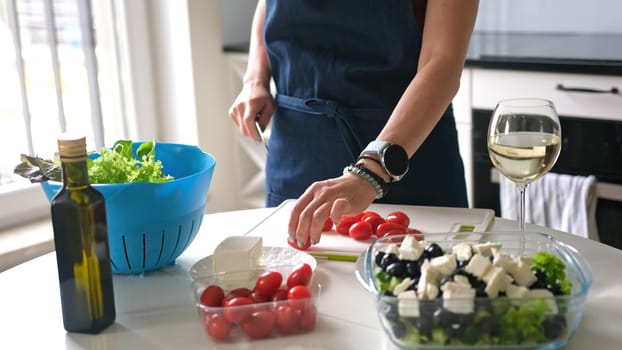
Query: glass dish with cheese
<point>495,290</point>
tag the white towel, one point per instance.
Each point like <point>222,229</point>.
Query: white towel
<point>562,202</point>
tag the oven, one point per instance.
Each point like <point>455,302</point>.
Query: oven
<point>590,146</point>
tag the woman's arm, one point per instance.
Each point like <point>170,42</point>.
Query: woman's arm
<point>255,98</point>
<point>446,36</point>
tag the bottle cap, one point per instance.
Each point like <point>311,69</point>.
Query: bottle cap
<point>72,148</point>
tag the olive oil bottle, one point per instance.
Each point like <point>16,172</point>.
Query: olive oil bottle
<point>81,242</point>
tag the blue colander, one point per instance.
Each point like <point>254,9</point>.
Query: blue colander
<point>150,225</point>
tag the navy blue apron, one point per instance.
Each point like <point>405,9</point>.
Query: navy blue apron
<point>340,67</point>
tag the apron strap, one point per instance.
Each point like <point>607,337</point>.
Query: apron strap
<point>328,108</point>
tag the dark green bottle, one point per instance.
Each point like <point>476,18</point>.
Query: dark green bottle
<point>81,242</point>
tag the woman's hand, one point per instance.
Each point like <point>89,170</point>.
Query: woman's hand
<point>348,194</point>
<point>255,100</point>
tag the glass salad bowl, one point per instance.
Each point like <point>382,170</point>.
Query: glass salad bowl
<point>494,290</point>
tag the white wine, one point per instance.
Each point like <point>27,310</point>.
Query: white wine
<point>523,157</point>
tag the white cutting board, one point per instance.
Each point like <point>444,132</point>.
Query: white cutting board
<point>273,229</point>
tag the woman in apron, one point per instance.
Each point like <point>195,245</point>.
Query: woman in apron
<point>347,73</point>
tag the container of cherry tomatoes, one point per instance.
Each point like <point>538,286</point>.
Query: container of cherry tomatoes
<point>267,302</point>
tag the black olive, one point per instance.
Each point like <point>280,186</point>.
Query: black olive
<point>387,260</point>
<point>554,326</point>
<point>378,257</point>
<point>413,270</point>
<point>540,283</point>
<point>433,250</point>
<point>397,269</point>
<point>555,288</point>
<point>425,324</point>
<point>390,311</point>
<point>398,329</point>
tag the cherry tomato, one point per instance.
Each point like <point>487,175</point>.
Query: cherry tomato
<point>398,217</point>
<point>328,225</point>
<point>299,292</point>
<point>360,230</point>
<point>238,292</point>
<point>287,319</point>
<point>280,294</point>
<point>416,232</point>
<point>212,296</point>
<point>374,221</point>
<point>344,224</point>
<point>259,324</point>
<point>308,318</point>
<point>217,326</point>
<point>369,213</point>
<point>236,310</point>
<point>260,298</point>
<point>300,276</point>
<point>268,283</point>
<point>295,245</point>
<point>383,229</point>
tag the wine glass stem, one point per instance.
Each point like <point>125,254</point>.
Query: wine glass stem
<point>521,213</point>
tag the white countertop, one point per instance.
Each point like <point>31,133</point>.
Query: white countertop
<point>157,311</point>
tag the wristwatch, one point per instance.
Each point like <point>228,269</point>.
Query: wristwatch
<point>393,158</point>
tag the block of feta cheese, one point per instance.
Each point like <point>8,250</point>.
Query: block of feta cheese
<point>523,274</point>
<point>408,304</point>
<point>458,297</point>
<point>506,262</point>
<point>496,281</point>
<point>487,248</point>
<point>478,265</point>
<point>429,276</point>
<point>391,249</point>
<point>237,253</point>
<point>444,264</point>
<point>410,249</point>
<point>463,251</point>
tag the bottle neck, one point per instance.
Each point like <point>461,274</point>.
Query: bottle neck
<point>75,174</point>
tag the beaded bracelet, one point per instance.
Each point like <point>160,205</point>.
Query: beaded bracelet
<point>378,183</point>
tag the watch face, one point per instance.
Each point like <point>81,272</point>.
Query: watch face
<point>395,160</point>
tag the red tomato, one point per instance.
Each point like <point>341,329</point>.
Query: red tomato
<point>344,224</point>
<point>369,213</point>
<point>374,221</point>
<point>398,217</point>
<point>328,225</point>
<point>383,229</point>
<point>260,298</point>
<point>295,245</point>
<point>287,319</point>
<point>280,295</point>
<point>299,292</point>
<point>236,309</point>
<point>259,324</point>
<point>300,276</point>
<point>238,292</point>
<point>416,232</point>
<point>308,318</point>
<point>268,283</point>
<point>217,326</point>
<point>212,296</point>
<point>360,231</point>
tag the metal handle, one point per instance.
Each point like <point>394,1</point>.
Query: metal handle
<point>614,90</point>
<point>604,190</point>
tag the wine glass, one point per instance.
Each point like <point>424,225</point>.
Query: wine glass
<point>524,141</point>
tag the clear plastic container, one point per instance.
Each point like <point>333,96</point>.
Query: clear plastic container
<point>258,320</point>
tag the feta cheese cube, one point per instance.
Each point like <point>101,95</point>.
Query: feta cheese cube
<point>402,286</point>
<point>463,251</point>
<point>408,304</point>
<point>391,248</point>
<point>496,280</point>
<point>514,291</point>
<point>478,265</point>
<point>486,248</point>
<point>410,249</point>
<point>506,262</point>
<point>444,264</point>
<point>523,274</point>
<point>237,253</point>
<point>458,297</point>
<point>462,280</point>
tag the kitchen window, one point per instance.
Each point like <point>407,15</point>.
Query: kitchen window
<point>59,71</point>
